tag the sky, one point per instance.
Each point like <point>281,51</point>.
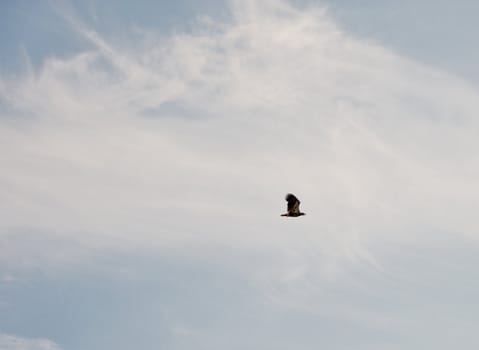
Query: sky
<point>146,150</point>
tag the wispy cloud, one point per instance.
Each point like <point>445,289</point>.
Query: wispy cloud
<point>277,92</point>
<point>10,342</point>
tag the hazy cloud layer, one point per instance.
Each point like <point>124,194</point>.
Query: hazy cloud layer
<point>184,146</point>
<point>10,342</point>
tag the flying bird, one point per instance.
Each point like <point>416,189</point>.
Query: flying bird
<point>293,206</point>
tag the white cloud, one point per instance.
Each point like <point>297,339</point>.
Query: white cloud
<point>10,342</point>
<point>279,100</point>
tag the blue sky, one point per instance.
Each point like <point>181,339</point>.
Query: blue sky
<point>146,151</point>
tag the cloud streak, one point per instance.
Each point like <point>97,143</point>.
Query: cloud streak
<point>348,116</point>
<point>10,342</point>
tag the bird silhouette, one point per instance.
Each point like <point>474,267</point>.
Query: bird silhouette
<point>293,206</point>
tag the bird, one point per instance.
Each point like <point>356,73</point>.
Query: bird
<point>293,206</point>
